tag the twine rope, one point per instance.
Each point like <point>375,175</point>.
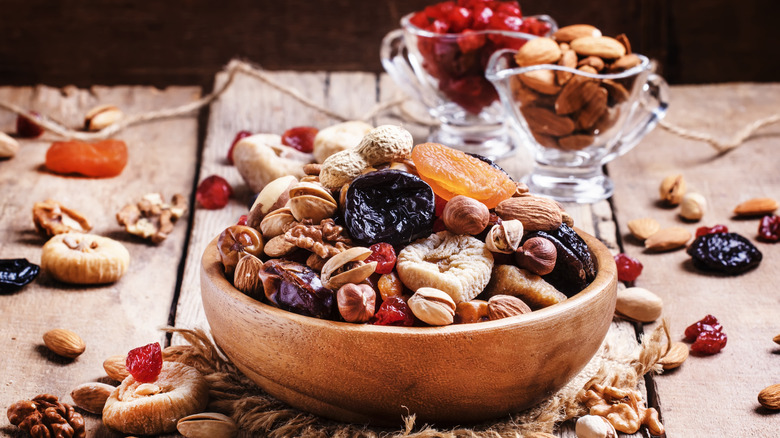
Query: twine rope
<point>237,66</point>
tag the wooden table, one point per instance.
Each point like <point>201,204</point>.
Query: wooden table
<point>707,396</point>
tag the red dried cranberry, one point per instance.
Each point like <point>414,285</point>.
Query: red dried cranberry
<point>239,136</point>
<point>769,228</point>
<point>242,220</point>
<point>707,324</point>
<point>213,192</point>
<point>701,231</point>
<point>628,268</point>
<point>438,225</point>
<point>709,342</point>
<point>534,26</point>
<point>440,203</point>
<point>384,254</point>
<point>144,363</point>
<point>27,127</point>
<point>394,311</point>
<point>300,137</point>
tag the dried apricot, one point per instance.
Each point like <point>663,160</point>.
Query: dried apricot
<point>103,159</point>
<point>451,172</point>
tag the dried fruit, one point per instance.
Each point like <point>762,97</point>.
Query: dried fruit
<point>390,285</point>
<point>711,230</point>
<point>236,240</point>
<point>769,397</point>
<point>467,312</point>
<point>144,363</point>
<point>297,288</point>
<point>707,324</point>
<point>84,258</point>
<point>451,172</point>
<point>638,304</point>
<point>709,342</point>
<point>628,268</point>
<point>531,288</point>
<point>574,267</point>
<point>668,239</point>
<point>27,127</point>
<point>300,138</point>
<point>15,274</point>
<point>51,217</point>
<point>769,228</point>
<point>91,396</point>
<point>394,311</point>
<point>356,302</point>
<point>103,159</point>
<point>677,354</point>
<point>240,135</point>
<point>262,158</point>
<point>432,306</point>
<point>726,253</point>
<point>213,193</point>
<point>463,215</point>
<point>64,343</point>
<point>756,207</point>
<point>384,255</point>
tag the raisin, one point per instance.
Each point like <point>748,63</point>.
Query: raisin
<point>384,254</point>
<point>27,127</point>
<point>707,324</point>
<point>711,230</point>
<point>16,273</point>
<point>628,268</point>
<point>145,363</point>
<point>709,342</point>
<point>769,228</point>
<point>300,138</point>
<point>390,285</point>
<point>725,253</point>
<point>213,192</point>
<point>394,311</point>
<point>102,159</point>
<point>241,135</point>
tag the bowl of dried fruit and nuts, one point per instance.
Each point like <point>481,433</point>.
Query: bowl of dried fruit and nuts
<point>396,280</point>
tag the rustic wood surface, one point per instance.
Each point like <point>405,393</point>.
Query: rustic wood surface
<point>707,396</point>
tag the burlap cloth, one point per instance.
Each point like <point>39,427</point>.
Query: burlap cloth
<point>620,362</point>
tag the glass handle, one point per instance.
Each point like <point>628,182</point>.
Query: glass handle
<point>653,103</point>
<point>396,65</point>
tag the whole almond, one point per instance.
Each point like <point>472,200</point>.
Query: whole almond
<point>568,59</point>
<point>570,33</point>
<point>538,51</point>
<point>756,207</point>
<point>504,306</point>
<point>115,367</point>
<point>625,62</point>
<point>776,339</point>
<point>542,81</point>
<point>601,46</point>
<point>8,146</point>
<point>639,304</point>
<point>64,343</point>
<point>644,227</point>
<point>668,239</point>
<point>592,61</point>
<point>543,121</point>
<point>575,95</point>
<point>594,109</point>
<point>536,213</point>
<point>769,397</point>
<point>675,357</point>
<point>91,396</point>
<point>576,142</point>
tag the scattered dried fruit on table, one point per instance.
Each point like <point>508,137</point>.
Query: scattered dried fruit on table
<point>213,193</point>
<point>102,159</point>
<point>769,228</point>
<point>711,230</point>
<point>239,136</point>
<point>628,268</point>
<point>207,425</point>
<point>339,137</point>
<point>101,117</point>
<point>15,274</point>
<point>769,397</point>
<point>8,146</point>
<point>91,396</point>
<point>725,253</point>
<point>638,304</point>
<point>693,206</point>
<point>64,343</point>
<point>144,363</point>
<point>84,259</point>
<point>51,217</point>
<point>46,416</point>
<point>300,138</point>
<point>27,127</point>
<point>756,207</point>
<point>668,239</point>
<point>432,306</point>
<point>643,228</point>
<point>707,336</point>
<point>394,311</point>
<point>152,218</point>
<point>707,324</point>
<point>672,189</point>
<point>677,354</point>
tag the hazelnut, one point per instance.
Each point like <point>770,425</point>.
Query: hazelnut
<point>464,215</point>
<point>504,306</point>
<point>356,302</point>
<point>537,255</point>
<point>432,306</point>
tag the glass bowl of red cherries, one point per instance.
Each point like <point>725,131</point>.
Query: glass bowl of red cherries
<point>439,55</point>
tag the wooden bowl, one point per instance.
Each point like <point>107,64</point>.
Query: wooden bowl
<point>377,374</point>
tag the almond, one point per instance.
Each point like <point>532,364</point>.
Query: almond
<point>101,117</point>
<point>672,189</point>
<point>568,59</point>
<point>592,61</point>
<point>638,304</point>
<point>769,397</point>
<point>543,121</point>
<point>91,396</point>
<point>576,142</point>
<point>593,110</point>
<point>570,33</point>
<point>776,339</point>
<point>677,354</point>
<point>601,46</point>
<point>542,81</point>
<point>616,91</point>
<point>64,343</point>
<point>575,95</point>
<point>625,62</point>
<point>538,51</point>
<point>668,239</point>
<point>643,228</point>
<point>756,207</point>
<point>115,367</point>
<point>536,213</point>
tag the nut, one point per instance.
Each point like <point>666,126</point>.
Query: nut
<point>668,239</point>
<point>115,367</point>
<point>464,215</point>
<point>776,339</point>
<point>384,144</point>
<point>543,81</point>
<point>504,306</point>
<point>262,158</point>
<point>8,146</point>
<point>601,46</point>
<point>756,207</point>
<point>152,218</point>
<point>246,278</point>
<point>341,168</point>
<point>432,306</point>
<point>505,237</point>
<point>536,213</point>
<point>347,267</point>
<point>207,425</point>
<point>54,218</point>
<point>101,117</point>
<point>594,426</point>
<point>570,33</point>
<point>537,255</point>
<point>311,201</point>
<point>538,51</point>
<point>64,343</point>
<point>543,121</point>
<point>274,196</point>
<point>277,222</point>
<point>91,396</point>
<point>356,302</point>
<point>677,354</point>
<point>638,304</point>
<point>467,312</point>
<point>769,397</point>
<point>625,62</point>
<point>643,228</point>
<point>672,189</point>
<point>693,206</point>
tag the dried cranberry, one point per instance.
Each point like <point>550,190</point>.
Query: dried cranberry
<point>440,204</point>
<point>384,254</point>
<point>628,268</point>
<point>701,231</point>
<point>145,363</point>
<point>239,136</point>
<point>27,127</point>
<point>242,220</point>
<point>707,324</point>
<point>394,311</point>
<point>300,137</point>
<point>769,228</point>
<point>213,192</point>
<point>709,342</point>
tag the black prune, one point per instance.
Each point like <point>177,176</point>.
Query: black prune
<point>568,276</point>
<point>16,273</point>
<point>389,206</point>
<point>573,241</point>
<point>727,253</point>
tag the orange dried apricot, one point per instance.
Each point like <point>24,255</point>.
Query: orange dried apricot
<point>451,172</point>
<point>102,159</point>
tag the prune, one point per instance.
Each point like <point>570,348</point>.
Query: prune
<point>145,363</point>
<point>569,275</point>
<point>726,253</point>
<point>769,228</point>
<point>389,206</point>
<point>15,273</point>
<point>297,288</point>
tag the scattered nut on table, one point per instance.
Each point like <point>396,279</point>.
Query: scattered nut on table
<point>594,426</point>
<point>677,354</point>
<point>102,116</point>
<point>91,396</point>
<point>756,207</point>
<point>152,218</point>
<point>668,239</point>
<point>52,218</point>
<point>64,343</point>
<point>693,206</point>
<point>8,146</point>
<point>769,397</point>
<point>672,189</point>
<point>638,304</point>
<point>643,228</point>
<point>46,416</point>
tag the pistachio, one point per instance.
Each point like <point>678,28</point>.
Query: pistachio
<point>101,117</point>
<point>347,267</point>
<point>639,304</point>
<point>277,222</point>
<point>672,189</point>
<point>677,354</point>
<point>207,425</point>
<point>505,237</point>
<point>311,201</point>
<point>594,426</point>
<point>356,302</point>
<point>464,215</point>
<point>432,306</point>
<point>64,343</point>
<point>504,306</point>
<point>537,255</point>
<point>693,206</point>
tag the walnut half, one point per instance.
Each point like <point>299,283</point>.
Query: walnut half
<point>53,218</point>
<point>152,218</point>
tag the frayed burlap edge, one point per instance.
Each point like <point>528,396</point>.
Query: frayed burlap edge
<point>620,362</point>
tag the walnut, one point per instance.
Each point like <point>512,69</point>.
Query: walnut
<point>623,408</point>
<point>152,218</point>
<point>45,416</point>
<point>53,218</point>
<point>326,239</point>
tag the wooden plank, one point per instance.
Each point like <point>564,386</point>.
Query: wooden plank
<point>715,395</point>
<point>114,318</point>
